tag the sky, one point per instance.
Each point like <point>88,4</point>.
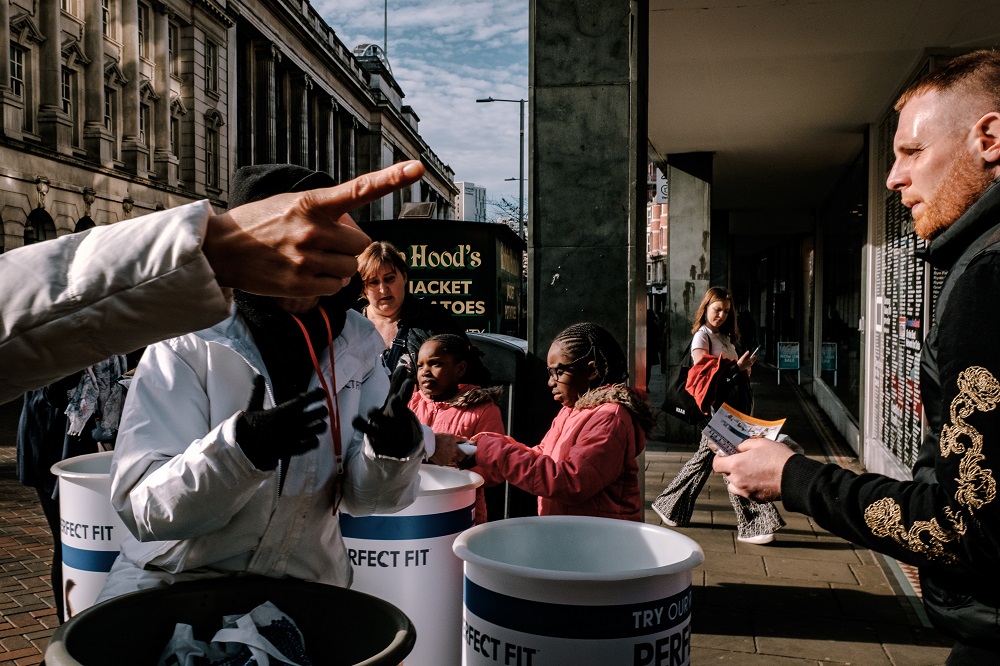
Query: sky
<point>445,55</point>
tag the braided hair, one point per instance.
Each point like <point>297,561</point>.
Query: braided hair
<point>589,342</point>
<point>453,345</point>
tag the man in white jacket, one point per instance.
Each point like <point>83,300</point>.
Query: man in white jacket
<point>227,461</point>
<point>68,303</point>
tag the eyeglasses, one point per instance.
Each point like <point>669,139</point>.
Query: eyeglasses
<point>560,369</point>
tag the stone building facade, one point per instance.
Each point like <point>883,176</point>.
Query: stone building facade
<point>115,108</point>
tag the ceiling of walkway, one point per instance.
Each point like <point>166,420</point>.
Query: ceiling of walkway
<point>782,90</point>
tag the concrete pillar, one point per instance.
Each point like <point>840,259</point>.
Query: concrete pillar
<point>134,152</point>
<point>688,269</point>
<point>96,138</point>
<point>587,153</point>
<point>165,163</point>
<point>54,124</point>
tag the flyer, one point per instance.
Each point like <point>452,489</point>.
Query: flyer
<point>729,427</point>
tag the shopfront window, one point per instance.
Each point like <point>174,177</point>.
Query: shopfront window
<point>844,228</point>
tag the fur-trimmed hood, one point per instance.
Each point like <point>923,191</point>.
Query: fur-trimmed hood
<point>633,399</point>
<point>470,395</point>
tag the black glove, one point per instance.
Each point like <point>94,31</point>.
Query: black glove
<point>265,435</point>
<point>393,430</point>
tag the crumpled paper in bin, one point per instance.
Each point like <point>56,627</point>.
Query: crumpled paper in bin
<point>265,636</point>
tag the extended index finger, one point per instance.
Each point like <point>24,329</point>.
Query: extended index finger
<point>365,189</point>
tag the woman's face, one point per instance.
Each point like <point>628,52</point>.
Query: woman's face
<point>438,373</point>
<point>385,290</point>
<point>716,314</point>
<point>568,380</point>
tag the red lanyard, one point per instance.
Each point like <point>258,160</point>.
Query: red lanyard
<point>332,405</point>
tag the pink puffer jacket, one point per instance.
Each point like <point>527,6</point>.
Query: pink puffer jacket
<point>473,410</point>
<point>586,463</point>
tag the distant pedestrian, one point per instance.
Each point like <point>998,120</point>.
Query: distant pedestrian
<point>714,346</point>
<point>586,463</point>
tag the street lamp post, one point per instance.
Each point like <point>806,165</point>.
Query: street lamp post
<point>520,192</point>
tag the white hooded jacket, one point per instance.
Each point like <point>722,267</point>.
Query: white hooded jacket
<point>195,506</point>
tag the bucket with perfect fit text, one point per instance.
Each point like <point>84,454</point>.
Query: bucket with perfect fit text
<point>406,558</point>
<point>555,590</point>
<point>90,529</point>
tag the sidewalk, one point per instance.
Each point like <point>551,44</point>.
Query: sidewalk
<point>807,598</point>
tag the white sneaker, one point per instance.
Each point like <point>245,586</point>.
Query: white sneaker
<point>759,540</point>
<point>666,521</point>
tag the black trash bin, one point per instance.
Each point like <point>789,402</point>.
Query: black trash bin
<point>340,627</point>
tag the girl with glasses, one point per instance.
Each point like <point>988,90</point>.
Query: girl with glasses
<point>586,463</point>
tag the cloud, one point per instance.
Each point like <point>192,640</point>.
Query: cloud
<point>445,56</point>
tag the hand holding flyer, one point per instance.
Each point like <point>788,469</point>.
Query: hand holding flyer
<point>729,427</point>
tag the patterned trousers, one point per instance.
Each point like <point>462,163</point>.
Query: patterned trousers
<point>676,502</point>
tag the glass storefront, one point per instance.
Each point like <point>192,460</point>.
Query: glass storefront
<point>843,228</point>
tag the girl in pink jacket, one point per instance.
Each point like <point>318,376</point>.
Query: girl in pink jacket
<point>446,405</point>
<point>586,463</point>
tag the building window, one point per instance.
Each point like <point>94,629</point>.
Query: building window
<point>109,106</point>
<point>212,157</point>
<point>143,123</point>
<point>68,6</point>
<point>106,17</point>
<point>66,89</point>
<point>211,66</point>
<point>173,49</point>
<point>175,136</point>
<point>17,70</point>
<point>69,93</point>
<point>143,30</point>
<point>111,117</point>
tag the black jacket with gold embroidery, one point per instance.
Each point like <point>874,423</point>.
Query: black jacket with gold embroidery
<point>946,521</point>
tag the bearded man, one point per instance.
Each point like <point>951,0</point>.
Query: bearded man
<point>947,520</point>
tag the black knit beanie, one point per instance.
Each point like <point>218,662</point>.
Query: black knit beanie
<point>278,337</point>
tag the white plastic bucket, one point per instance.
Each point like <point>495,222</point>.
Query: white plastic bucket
<point>555,590</point>
<point>91,531</point>
<point>407,559</point>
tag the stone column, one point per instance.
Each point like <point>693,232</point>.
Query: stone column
<point>165,163</point>
<point>330,165</point>
<point>587,145</point>
<point>96,138</point>
<point>302,147</point>
<point>134,152</point>
<point>587,150</point>
<point>352,149</point>
<point>54,124</point>
<point>266,131</point>
<point>688,263</point>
